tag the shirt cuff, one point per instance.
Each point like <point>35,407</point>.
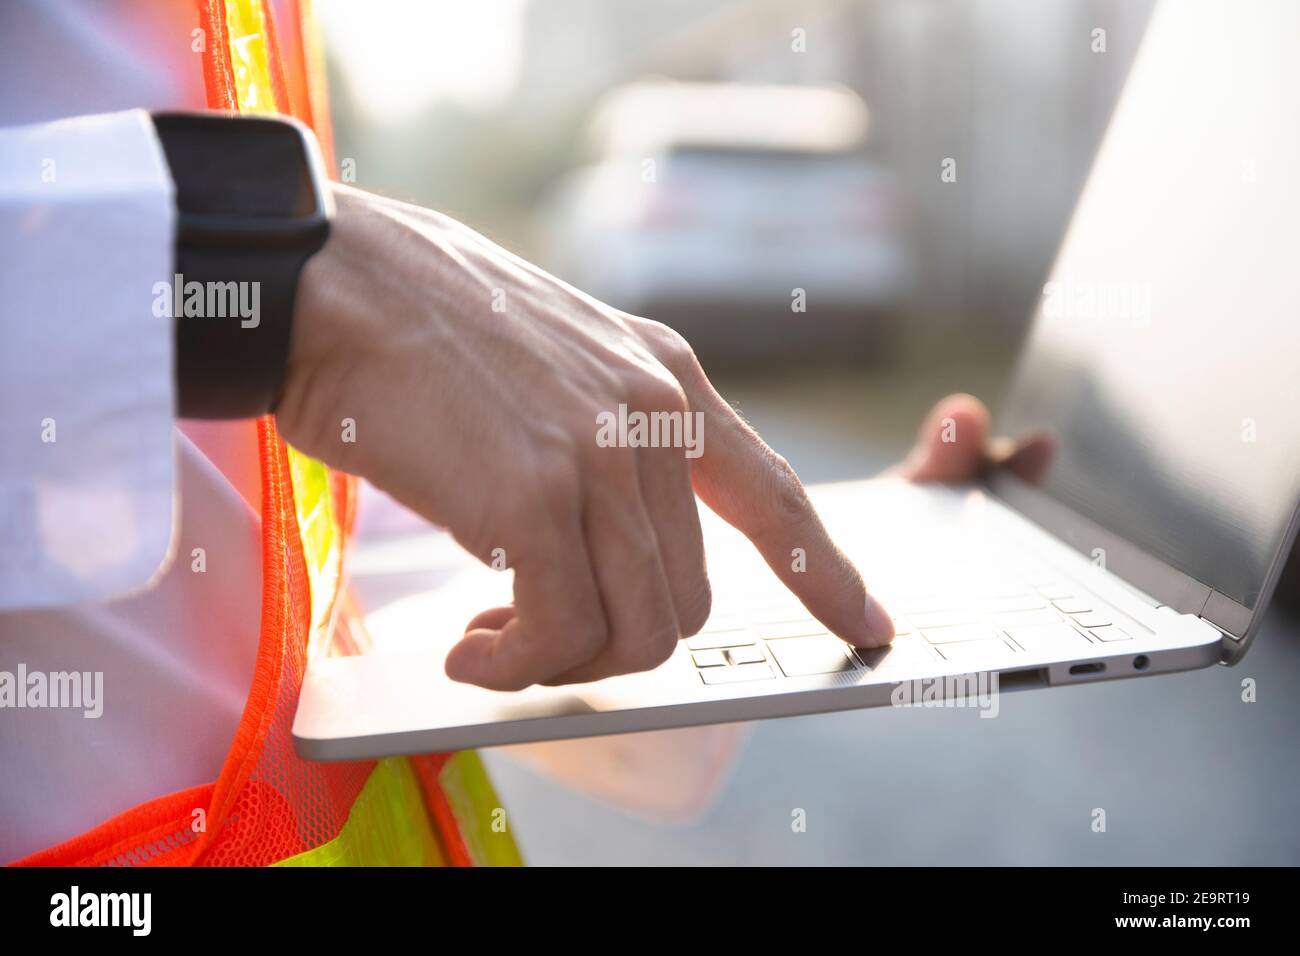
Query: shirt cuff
<point>87,232</point>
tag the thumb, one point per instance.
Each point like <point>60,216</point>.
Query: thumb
<point>950,445</point>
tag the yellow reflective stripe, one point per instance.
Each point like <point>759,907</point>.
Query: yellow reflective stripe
<point>483,823</point>
<point>321,540</point>
<point>313,501</point>
<point>250,62</point>
<point>387,825</point>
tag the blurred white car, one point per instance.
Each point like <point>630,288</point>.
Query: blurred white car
<point>722,209</point>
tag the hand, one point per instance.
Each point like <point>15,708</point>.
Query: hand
<point>965,420</point>
<point>674,775</point>
<point>476,382</point>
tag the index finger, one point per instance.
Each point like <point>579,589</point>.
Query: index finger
<point>754,489</point>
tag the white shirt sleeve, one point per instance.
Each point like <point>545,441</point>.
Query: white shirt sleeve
<point>87,223</point>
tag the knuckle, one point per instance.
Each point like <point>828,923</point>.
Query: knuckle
<point>788,501</point>
<point>587,642</point>
<point>647,651</point>
<point>670,347</point>
<point>555,484</point>
<point>609,382</point>
<point>651,392</point>
<point>641,555</point>
<point>695,610</point>
<point>614,470</point>
<point>553,441</point>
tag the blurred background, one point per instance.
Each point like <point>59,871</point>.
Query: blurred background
<point>850,208</point>
<point>768,176</point>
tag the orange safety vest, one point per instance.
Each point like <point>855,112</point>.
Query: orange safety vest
<point>269,806</point>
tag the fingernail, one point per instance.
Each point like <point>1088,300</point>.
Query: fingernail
<point>879,623</point>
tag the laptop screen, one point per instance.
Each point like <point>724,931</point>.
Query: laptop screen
<point>1163,360</point>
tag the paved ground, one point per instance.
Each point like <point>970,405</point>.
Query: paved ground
<point>1186,772</point>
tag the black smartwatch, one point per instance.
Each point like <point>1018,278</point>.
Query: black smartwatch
<point>252,208</point>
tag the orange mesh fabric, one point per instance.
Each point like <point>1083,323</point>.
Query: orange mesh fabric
<point>157,833</point>
<point>269,803</point>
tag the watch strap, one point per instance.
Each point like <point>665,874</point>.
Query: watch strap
<point>252,209</point>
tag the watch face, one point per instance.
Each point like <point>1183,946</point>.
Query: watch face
<point>240,177</point>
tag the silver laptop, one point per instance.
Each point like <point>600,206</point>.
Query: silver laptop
<point>1163,364</point>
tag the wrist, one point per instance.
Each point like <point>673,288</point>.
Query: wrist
<point>334,330</point>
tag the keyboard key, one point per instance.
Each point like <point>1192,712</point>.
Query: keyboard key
<point>736,638</point>
<point>1092,619</point>
<point>1008,588</point>
<point>955,635</point>
<point>1047,637</point>
<point>745,655</point>
<point>1073,605</point>
<point>976,653</point>
<point>802,656</point>
<point>1019,602</point>
<point>722,622</point>
<point>1110,633</point>
<point>901,627</point>
<point>792,615</point>
<point>1038,577</point>
<point>792,629</point>
<point>1056,591</point>
<point>931,619</point>
<point>709,659</point>
<point>926,604</point>
<point>1044,615</point>
<point>737,674</point>
<point>904,653</point>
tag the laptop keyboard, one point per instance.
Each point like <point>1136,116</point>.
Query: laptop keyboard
<point>783,640</point>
